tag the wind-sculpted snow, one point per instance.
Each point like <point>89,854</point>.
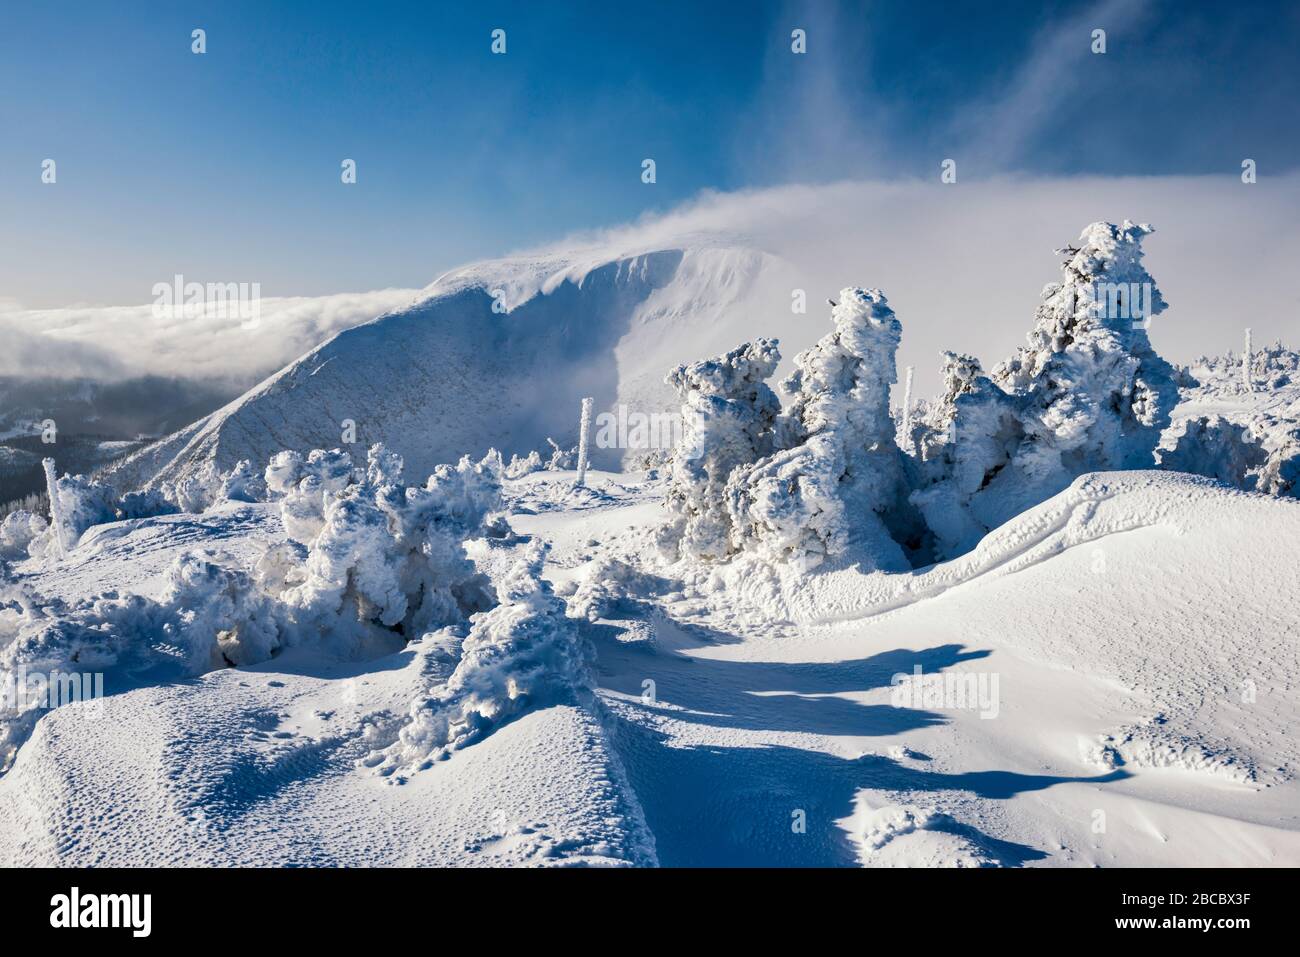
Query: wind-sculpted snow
<point>522,654</point>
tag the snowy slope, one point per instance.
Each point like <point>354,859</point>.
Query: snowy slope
<point>1125,620</point>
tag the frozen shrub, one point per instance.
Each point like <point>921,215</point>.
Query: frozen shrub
<point>518,467</point>
<point>522,654</point>
<point>561,459</point>
<point>145,504</point>
<point>303,487</point>
<point>242,484</point>
<point>1280,474</point>
<point>1214,447</point>
<point>728,415</point>
<point>191,495</point>
<point>837,469</point>
<point>210,614</point>
<point>216,613</point>
<point>17,532</point>
<point>383,562</point>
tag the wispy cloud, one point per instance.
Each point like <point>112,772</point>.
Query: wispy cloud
<point>999,129</point>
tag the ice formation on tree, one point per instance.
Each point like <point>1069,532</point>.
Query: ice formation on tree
<point>519,467</point>
<point>561,459</point>
<point>1096,394</point>
<point>728,414</point>
<point>145,504</point>
<point>370,562</point>
<point>1087,393</point>
<point>965,439</point>
<point>836,469</point>
<point>191,494</point>
<point>521,654</point>
<point>374,562</point>
<point>82,503</point>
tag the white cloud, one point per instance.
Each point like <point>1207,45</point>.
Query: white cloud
<point>964,264</point>
<point>110,343</point>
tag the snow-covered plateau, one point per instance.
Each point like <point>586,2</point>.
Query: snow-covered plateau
<point>367,614</point>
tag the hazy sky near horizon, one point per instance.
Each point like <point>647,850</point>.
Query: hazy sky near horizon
<point>225,166</point>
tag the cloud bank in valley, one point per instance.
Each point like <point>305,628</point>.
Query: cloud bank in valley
<point>113,343</point>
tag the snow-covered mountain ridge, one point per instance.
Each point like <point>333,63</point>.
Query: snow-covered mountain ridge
<point>498,354</point>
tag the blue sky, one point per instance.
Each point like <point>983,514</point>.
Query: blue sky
<point>226,165</point>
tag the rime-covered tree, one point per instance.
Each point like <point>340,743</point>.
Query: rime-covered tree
<point>1096,395</point>
<point>728,414</point>
<point>837,469</point>
<point>1087,393</point>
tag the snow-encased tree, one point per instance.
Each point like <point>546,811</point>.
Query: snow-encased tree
<point>1087,393</point>
<point>146,503</point>
<point>1096,394</point>
<point>728,415</point>
<point>965,439</point>
<point>375,562</point>
<point>1214,447</point>
<point>522,654</point>
<point>214,610</point>
<point>304,486</point>
<point>837,469</point>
